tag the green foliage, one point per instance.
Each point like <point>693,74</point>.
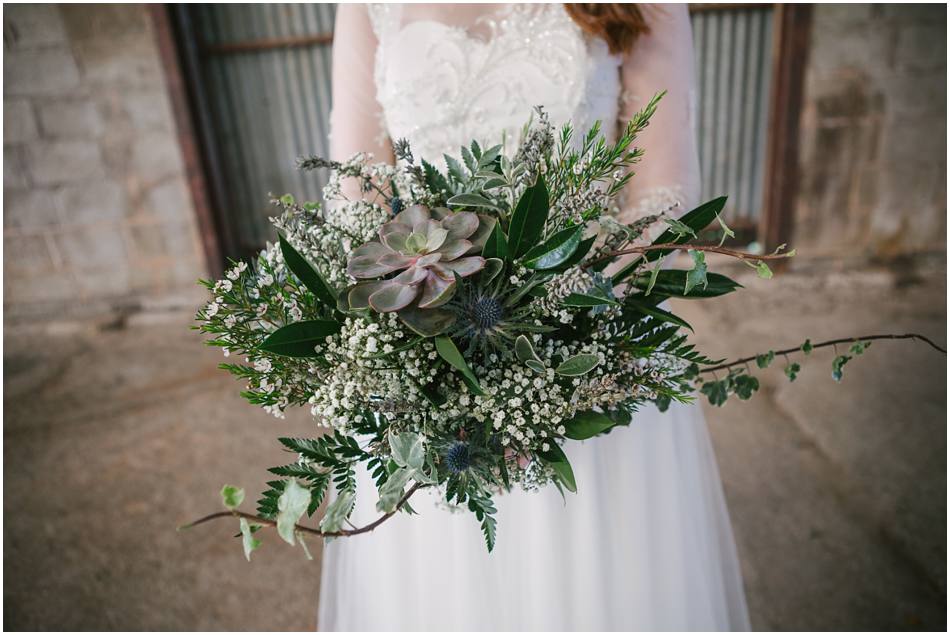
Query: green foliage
<point>764,360</point>
<point>497,245</point>
<point>587,424</point>
<point>578,365</point>
<point>307,274</point>
<point>448,351</point>
<point>555,458</point>
<point>528,219</point>
<point>744,386</point>
<point>338,511</point>
<point>716,391</point>
<point>584,300</point>
<point>556,250</point>
<point>232,496</point>
<point>792,370</point>
<point>698,274</point>
<point>807,347</point>
<point>671,283</point>
<point>300,339</point>
<point>837,366</point>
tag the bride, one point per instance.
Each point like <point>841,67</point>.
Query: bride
<point>646,543</point>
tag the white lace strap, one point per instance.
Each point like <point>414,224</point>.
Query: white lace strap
<point>385,20</point>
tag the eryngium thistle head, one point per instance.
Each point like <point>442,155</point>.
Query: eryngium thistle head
<point>458,459</point>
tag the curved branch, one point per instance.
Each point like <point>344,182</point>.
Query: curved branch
<point>310,530</point>
<point>741,255</point>
<point>843,340</point>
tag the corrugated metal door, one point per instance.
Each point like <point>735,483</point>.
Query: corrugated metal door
<point>733,47</point>
<point>263,74</point>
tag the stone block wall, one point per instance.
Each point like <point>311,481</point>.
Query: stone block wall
<point>97,213</point>
<point>874,131</point>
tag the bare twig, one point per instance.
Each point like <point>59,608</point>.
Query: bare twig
<point>310,530</point>
<point>843,340</point>
<point>741,255</point>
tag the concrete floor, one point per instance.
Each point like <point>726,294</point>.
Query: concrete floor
<point>116,433</point>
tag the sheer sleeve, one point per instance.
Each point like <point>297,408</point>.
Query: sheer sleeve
<point>356,122</point>
<point>662,60</point>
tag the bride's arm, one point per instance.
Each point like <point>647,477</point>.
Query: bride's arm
<point>662,60</point>
<point>356,123</point>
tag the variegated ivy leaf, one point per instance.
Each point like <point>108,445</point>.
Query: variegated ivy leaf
<point>232,496</point>
<point>392,490</point>
<point>679,228</point>
<point>762,270</point>
<point>338,511</point>
<point>247,538</point>
<point>726,232</point>
<point>291,505</point>
<point>765,359</point>
<point>407,449</point>
<point>697,275</point>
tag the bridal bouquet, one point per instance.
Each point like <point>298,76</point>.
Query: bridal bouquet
<point>454,329</point>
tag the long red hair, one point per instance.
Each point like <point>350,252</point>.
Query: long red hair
<point>617,23</point>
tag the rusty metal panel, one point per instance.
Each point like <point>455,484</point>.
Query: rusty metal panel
<point>733,47</point>
<point>265,72</point>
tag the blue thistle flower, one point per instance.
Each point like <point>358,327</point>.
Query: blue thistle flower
<point>396,205</point>
<point>458,459</point>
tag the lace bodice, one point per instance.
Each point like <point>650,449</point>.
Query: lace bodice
<point>442,85</point>
<point>442,75</point>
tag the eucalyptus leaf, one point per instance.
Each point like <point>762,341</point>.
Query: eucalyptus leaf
<point>291,505</point>
<point>578,365</point>
<point>300,338</point>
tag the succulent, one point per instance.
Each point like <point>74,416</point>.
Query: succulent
<point>428,249</point>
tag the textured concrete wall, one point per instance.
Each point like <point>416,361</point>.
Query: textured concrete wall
<point>874,131</point>
<point>96,208</point>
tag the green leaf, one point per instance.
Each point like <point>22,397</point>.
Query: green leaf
<point>527,221</point>
<point>697,220</point>
<point>291,505</point>
<point>524,350</point>
<point>300,338</point>
<point>578,365</point>
<point>679,228</point>
<point>697,275</point>
<point>535,365</point>
<point>858,348</point>
<point>579,254</point>
<point>287,199</point>
<point>556,250</point>
<point>338,511</point>
<point>653,311</point>
<point>837,365</point>
<point>654,275</point>
<point>470,200</point>
<point>584,300</point>
<point>497,244</point>
<point>587,424</point>
<point>762,270</point>
<point>765,359</point>
<point>232,496</point>
<point>435,180</point>
<point>807,347</point>
<point>407,449</point>
<point>450,353</point>
<point>716,391</point>
<point>307,274</point>
<point>792,370</point>
<point>745,386</point>
<point>247,538</point>
<point>671,282</point>
<point>558,462</point>
<point>726,232</point>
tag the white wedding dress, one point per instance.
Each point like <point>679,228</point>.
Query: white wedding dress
<point>646,543</point>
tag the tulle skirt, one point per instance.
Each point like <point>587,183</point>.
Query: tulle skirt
<point>645,544</point>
